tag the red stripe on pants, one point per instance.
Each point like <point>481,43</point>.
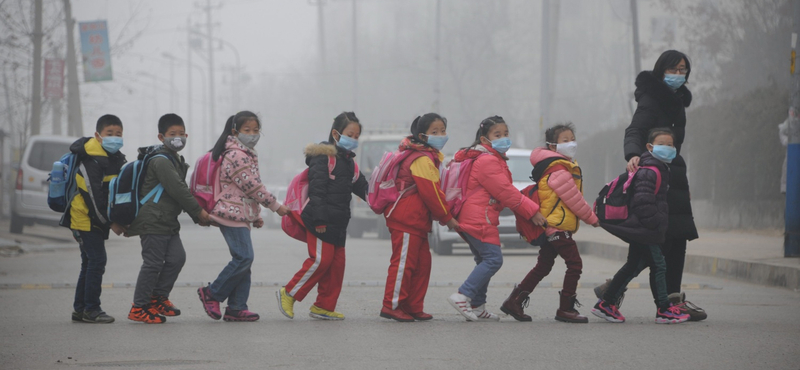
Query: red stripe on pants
<point>409,272</point>
<point>324,267</point>
<point>562,245</point>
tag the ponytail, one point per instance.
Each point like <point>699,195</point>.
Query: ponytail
<point>234,122</point>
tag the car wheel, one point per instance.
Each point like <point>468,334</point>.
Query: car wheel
<point>440,247</point>
<point>383,230</point>
<point>355,231</point>
<point>16,224</point>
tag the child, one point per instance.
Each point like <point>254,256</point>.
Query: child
<point>489,190</point>
<point>409,221</point>
<point>326,217</point>
<point>87,216</point>
<point>157,224</point>
<point>561,198</point>
<point>644,230</point>
<point>240,193</point>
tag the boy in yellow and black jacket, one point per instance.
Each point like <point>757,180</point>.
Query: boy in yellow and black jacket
<point>98,161</point>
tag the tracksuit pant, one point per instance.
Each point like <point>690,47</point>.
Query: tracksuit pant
<point>324,267</point>
<point>559,244</point>
<point>409,272</point>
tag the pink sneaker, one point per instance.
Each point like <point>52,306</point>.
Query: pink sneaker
<point>209,304</point>
<point>240,315</point>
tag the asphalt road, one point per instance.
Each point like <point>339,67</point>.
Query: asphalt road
<point>748,327</point>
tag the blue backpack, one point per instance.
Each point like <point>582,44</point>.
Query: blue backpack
<point>62,187</point>
<point>124,201</point>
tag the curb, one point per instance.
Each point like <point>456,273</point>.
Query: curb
<point>748,271</point>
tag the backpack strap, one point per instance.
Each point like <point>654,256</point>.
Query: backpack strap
<point>631,175</point>
<point>331,166</point>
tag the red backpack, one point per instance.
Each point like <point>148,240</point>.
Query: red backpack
<point>531,233</point>
<point>204,184</point>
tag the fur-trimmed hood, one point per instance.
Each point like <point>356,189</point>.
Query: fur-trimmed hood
<point>646,83</point>
<point>323,148</point>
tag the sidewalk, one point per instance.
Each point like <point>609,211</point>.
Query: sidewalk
<point>748,257</point>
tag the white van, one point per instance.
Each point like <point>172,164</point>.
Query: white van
<point>29,204</point>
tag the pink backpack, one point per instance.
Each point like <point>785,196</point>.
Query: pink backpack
<point>382,187</point>
<point>297,198</point>
<point>454,179</point>
<point>204,184</point>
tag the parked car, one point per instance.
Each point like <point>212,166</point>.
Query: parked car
<point>370,150</point>
<point>29,204</point>
<point>441,239</point>
<point>271,219</point>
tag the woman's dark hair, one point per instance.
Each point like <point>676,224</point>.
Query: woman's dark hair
<point>341,122</point>
<point>670,59</point>
<point>552,133</point>
<point>422,123</point>
<point>485,127</point>
<point>656,132</point>
<point>235,122</point>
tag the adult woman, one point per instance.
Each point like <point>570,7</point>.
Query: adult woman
<point>662,98</point>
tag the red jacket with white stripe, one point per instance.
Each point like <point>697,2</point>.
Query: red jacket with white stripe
<point>415,210</point>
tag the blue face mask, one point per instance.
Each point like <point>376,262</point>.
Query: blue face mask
<point>501,145</point>
<point>674,81</point>
<point>112,144</point>
<point>437,142</point>
<point>347,143</point>
<point>664,153</point>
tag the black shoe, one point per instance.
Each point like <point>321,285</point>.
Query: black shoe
<point>97,317</point>
<point>77,316</point>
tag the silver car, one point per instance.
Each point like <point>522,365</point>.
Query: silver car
<point>29,204</point>
<point>441,239</point>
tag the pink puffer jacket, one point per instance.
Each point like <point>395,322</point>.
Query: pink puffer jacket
<point>240,187</point>
<point>489,190</point>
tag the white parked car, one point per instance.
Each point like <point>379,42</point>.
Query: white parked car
<point>441,239</point>
<point>29,204</point>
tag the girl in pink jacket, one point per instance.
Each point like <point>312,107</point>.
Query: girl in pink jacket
<point>241,195</point>
<point>489,190</point>
<point>561,199</point>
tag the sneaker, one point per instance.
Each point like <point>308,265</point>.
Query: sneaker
<point>397,315</point>
<point>163,306</point>
<point>97,317</point>
<point>77,316</point>
<point>483,314</point>
<point>461,303</point>
<point>146,315</point>
<point>239,315</point>
<point>672,315</point>
<point>695,313</point>
<point>608,312</point>
<point>285,303</point>
<point>209,304</point>
<point>600,290</point>
<point>322,314</point>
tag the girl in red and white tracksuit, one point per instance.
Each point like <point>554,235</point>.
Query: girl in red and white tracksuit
<point>489,190</point>
<point>409,220</point>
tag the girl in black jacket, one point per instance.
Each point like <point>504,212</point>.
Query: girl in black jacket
<point>326,217</point>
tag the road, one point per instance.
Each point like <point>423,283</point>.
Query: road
<point>748,327</point>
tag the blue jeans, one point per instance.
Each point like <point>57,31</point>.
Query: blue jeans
<point>489,259</point>
<point>93,266</point>
<point>233,283</point>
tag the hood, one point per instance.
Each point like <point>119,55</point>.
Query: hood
<point>646,83</point>
<point>539,154</point>
<point>323,148</point>
<point>475,151</point>
<point>407,144</point>
<point>88,146</point>
<point>155,149</point>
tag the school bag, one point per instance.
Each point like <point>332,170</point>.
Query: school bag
<point>124,200</point>
<point>62,187</point>
<point>204,183</point>
<point>382,187</point>
<point>612,203</point>
<point>453,181</point>
<point>534,234</point>
<point>297,198</point>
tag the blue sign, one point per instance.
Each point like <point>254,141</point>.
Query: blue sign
<point>95,50</point>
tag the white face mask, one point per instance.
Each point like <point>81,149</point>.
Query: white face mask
<point>568,149</point>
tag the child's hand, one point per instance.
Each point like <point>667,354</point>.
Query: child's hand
<point>118,229</point>
<point>321,229</point>
<point>205,218</point>
<point>282,211</point>
<point>452,224</point>
<point>633,164</point>
<point>539,220</point>
<point>258,223</point>
<point>596,224</point>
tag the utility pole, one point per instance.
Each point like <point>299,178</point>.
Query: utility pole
<point>355,58</point>
<point>544,83</point>
<point>189,69</point>
<point>637,59</point>
<point>36,91</point>
<point>791,245</point>
<point>171,59</point>
<point>209,35</point>
<point>437,88</point>
<point>56,103</point>
<point>321,31</point>
<point>74,115</point>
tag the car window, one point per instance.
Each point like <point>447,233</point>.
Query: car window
<point>44,153</point>
<point>520,168</point>
<point>372,152</point>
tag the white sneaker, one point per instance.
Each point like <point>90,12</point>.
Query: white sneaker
<point>461,303</point>
<point>483,315</point>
